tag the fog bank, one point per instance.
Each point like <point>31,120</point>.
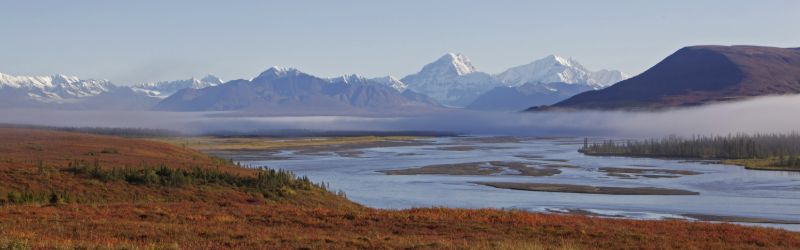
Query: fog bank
<point>768,114</point>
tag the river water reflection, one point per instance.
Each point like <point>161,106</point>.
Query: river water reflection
<point>724,191</point>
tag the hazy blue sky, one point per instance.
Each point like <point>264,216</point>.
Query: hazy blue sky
<point>135,41</point>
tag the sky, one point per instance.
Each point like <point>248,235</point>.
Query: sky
<point>131,42</point>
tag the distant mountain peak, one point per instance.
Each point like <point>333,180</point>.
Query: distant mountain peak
<point>555,68</point>
<point>451,80</point>
<point>278,72</point>
<point>59,78</point>
<point>460,64</point>
<point>163,89</point>
<point>391,81</point>
<point>350,78</point>
<point>563,61</point>
<point>211,79</point>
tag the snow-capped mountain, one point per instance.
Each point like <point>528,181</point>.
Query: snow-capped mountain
<point>517,98</point>
<point>452,80</point>
<point>606,77</point>
<point>52,89</point>
<point>555,68</point>
<point>289,91</point>
<point>166,88</point>
<point>391,81</point>
<point>68,92</point>
<point>543,82</point>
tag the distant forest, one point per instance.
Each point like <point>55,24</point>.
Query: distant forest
<point>781,149</point>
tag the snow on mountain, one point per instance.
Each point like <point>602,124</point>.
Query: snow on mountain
<point>289,91</point>
<point>517,98</point>
<point>606,78</point>
<point>459,62</point>
<point>167,88</point>
<point>277,72</point>
<point>452,80</point>
<point>543,82</point>
<point>69,92</point>
<point>349,79</point>
<point>391,81</point>
<point>555,68</point>
<point>55,88</point>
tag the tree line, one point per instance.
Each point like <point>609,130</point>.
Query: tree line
<point>784,147</point>
<point>269,183</point>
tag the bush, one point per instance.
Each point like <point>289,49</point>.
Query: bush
<point>15,244</point>
<point>28,196</point>
<point>109,151</point>
<point>14,197</point>
<point>269,183</point>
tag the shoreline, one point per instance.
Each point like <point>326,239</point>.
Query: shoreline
<point>716,161</point>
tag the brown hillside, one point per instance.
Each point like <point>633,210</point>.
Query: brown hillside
<point>698,75</point>
<point>79,167</point>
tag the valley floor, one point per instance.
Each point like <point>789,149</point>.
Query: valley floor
<point>48,204</point>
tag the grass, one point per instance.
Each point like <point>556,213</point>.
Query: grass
<point>770,164</point>
<point>79,168</point>
<point>192,225</point>
<point>112,204</point>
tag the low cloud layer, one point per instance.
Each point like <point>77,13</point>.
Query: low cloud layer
<point>769,114</point>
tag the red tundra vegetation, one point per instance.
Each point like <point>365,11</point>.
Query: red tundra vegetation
<point>72,190</point>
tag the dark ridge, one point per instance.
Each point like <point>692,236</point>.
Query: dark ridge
<point>699,75</point>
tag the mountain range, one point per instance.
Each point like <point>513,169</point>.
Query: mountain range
<point>454,81</point>
<point>71,92</point>
<point>451,80</point>
<point>68,92</point>
<point>554,68</point>
<point>516,98</point>
<point>289,91</point>
<point>167,88</point>
<point>543,82</point>
<point>699,75</point>
<point>50,89</point>
<point>694,75</point>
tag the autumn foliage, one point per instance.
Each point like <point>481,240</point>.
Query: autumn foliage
<point>112,204</point>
